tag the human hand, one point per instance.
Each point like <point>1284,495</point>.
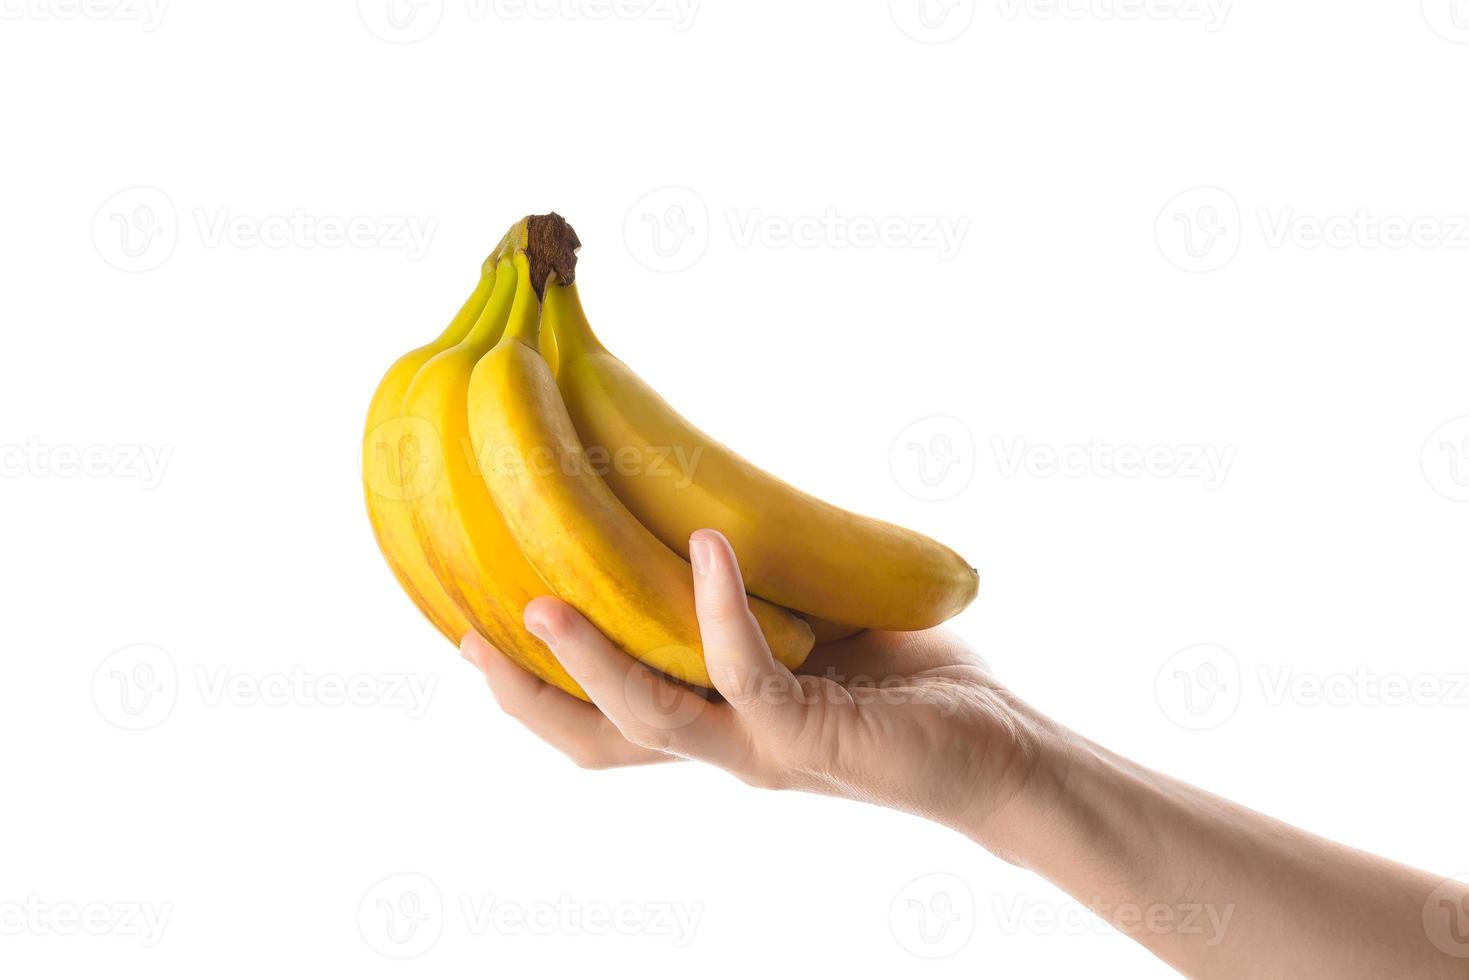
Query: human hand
<point>913,721</point>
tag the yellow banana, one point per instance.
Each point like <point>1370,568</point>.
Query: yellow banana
<point>470,550</point>
<point>549,351</point>
<point>391,470</point>
<point>795,550</point>
<point>826,631</point>
<point>585,544</point>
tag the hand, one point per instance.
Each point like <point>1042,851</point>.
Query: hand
<point>912,721</point>
<point>916,722</point>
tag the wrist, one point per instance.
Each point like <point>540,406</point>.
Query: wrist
<point>1009,812</point>
<point>1079,810</point>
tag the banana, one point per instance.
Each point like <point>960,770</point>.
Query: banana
<point>588,548</point>
<point>391,453</point>
<point>826,631</point>
<point>795,550</point>
<point>549,352</point>
<point>468,546</point>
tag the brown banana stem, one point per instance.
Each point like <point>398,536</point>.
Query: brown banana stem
<point>550,245</point>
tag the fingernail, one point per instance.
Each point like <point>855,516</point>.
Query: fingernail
<point>467,651</point>
<point>701,553</point>
<point>541,632</point>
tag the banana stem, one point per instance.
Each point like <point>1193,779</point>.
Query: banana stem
<point>550,244</point>
<point>492,320</point>
<point>525,315</point>
<point>565,318</point>
<point>508,244</point>
<point>469,313</point>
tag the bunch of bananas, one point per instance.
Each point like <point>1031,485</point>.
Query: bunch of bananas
<point>515,457</point>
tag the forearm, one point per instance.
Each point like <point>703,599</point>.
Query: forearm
<point>1212,888</point>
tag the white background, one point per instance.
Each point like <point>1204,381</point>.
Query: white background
<point>1084,303</point>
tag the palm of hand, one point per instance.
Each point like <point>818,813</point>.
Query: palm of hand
<point>913,721</point>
